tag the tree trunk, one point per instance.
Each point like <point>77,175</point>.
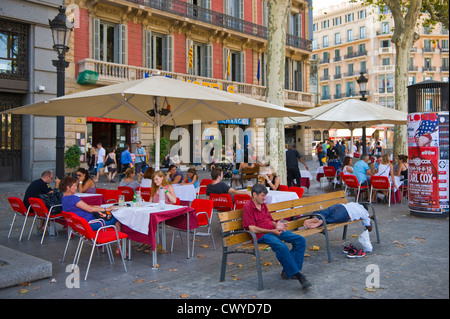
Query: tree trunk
<point>404,37</point>
<point>276,53</point>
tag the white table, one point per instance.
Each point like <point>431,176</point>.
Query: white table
<point>306,174</point>
<point>185,193</point>
<point>280,196</point>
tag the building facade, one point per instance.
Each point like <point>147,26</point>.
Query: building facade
<point>349,38</point>
<point>221,44</point>
<point>27,144</point>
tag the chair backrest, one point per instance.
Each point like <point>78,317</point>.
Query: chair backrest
<point>350,180</point>
<point>380,182</point>
<point>127,191</point>
<point>112,194</point>
<point>178,202</point>
<point>240,200</point>
<point>100,190</point>
<point>146,193</point>
<point>17,205</point>
<point>283,188</point>
<point>38,206</point>
<point>329,171</point>
<point>222,202</point>
<point>202,187</point>
<point>79,225</point>
<point>202,205</point>
<point>298,190</point>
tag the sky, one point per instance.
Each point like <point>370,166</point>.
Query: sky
<point>319,4</point>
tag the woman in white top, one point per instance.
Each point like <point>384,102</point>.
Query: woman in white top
<point>147,178</point>
<point>385,168</point>
<point>347,165</point>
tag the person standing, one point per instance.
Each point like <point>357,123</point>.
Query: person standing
<point>100,160</point>
<point>293,172</point>
<point>125,158</point>
<point>139,159</point>
<point>256,218</point>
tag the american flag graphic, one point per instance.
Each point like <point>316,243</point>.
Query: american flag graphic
<point>427,126</point>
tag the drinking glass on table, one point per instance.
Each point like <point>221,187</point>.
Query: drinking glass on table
<point>121,200</point>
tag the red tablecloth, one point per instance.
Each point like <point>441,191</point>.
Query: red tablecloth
<point>175,218</point>
<point>94,199</point>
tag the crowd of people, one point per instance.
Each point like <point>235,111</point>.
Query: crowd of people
<point>255,216</point>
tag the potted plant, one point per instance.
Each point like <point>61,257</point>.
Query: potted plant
<point>72,157</point>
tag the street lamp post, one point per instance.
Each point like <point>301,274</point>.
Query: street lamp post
<point>61,31</point>
<point>362,82</point>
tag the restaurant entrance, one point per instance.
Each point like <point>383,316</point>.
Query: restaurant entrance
<point>109,132</point>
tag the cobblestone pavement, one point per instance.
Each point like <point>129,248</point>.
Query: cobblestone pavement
<point>412,261</point>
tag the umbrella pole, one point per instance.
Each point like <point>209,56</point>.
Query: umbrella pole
<point>157,140</point>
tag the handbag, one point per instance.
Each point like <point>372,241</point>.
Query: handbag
<point>98,216</point>
<point>109,161</point>
<point>51,199</point>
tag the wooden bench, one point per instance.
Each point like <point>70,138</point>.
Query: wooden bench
<point>239,240</point>
<point>248,173</point>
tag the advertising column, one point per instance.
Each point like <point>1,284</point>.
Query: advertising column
<point>428,152</point>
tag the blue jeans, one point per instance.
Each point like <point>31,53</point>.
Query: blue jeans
<point>290,260</point>
<point>335,214</point>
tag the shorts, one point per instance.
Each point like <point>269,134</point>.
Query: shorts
<point>138,167</point>
<point>99,165</point>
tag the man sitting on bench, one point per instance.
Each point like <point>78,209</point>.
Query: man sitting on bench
<point>341,213</point>
<point>256,218</point>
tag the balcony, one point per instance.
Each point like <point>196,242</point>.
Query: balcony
<point>324,78</point>
<point>324,61</point>
<point>355,54</point>
<point>384,68</point>
<point>220,20</point>
<point>112,73</point>
<point>388,50</point>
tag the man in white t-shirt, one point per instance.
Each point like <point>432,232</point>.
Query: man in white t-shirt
<point>340,213</point>
<point>100,160</point>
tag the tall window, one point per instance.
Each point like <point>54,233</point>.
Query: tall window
<point>201,59</point>
<point>349,35</point>
<point>362,32</point>
<point>158,51</point>
<point>337,38</point>
<point>13,51</point>
<point>109,41</point>
<point>295,25</point>
<point>234,65</point>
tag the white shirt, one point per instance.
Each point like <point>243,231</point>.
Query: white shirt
<point>356,212</point>
<point>100,155</point>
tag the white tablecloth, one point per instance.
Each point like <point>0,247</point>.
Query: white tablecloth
<point>137,218</point>
<point>279,196</point>
<point>185,192</point>
<point>306,174</point>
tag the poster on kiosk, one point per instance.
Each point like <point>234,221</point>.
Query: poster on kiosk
<point>428,169</point>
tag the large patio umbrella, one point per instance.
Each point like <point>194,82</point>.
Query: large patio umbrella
<point>159,100</point>
<point>349,114</point>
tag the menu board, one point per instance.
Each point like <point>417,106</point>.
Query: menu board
<point>428,152</point>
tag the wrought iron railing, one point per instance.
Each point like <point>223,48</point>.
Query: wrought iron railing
<point>219,19</point>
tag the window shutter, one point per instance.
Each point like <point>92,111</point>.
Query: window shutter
<point>96,39</point>
<point>148,49</point>
<point>208,63</point>
<point>241,67</point>
<point>226,53</point>
<point>121,44</point>
<point>168,53</point>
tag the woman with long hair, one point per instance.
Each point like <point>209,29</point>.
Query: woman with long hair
<point>160,181</point>
<point>347,165</point>
<point>85,183</point>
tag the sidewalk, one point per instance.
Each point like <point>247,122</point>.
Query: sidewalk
<point>412,261</point>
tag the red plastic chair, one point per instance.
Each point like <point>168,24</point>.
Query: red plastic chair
<point>41,212</point>
<point>112,195</point>
<point>298,190</point>
<point>202,187</point>
<point>351,182</point>
<point>222,202</point>
<point>97,238</point>
<point>146,193</point>
<point>128,192</point>
<point>381,183</point>
<point>101,191</point>
<point>240,200</point>
<point>330,173</point>
<point>283,188</point>
<point>178,202</point>
<point>19,208</point>
<point>203,208</point>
